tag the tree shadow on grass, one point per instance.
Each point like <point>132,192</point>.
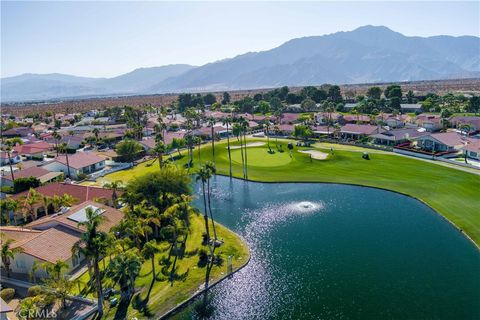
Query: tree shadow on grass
<point>122,309</point>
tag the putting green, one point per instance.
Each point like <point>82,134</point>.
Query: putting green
<point>259,157</point>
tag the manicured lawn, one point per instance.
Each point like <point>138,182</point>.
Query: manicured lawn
<point>453,193</point>
<point>189,277</point>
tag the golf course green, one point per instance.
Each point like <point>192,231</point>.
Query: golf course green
<point>453,193</point>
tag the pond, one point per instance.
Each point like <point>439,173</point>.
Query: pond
<point>328,251</point>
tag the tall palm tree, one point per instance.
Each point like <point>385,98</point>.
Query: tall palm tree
<point>8,253</point>
<point>64,148</point>
<point>148,252</point>
<point>244,124</point>
<point>123,269</point>
<point>9,144</point>
<point>267,127</point>
<point>114,186</point>
<point>198,141</point>
<point>203,175</point>
<point>227,122</point>
<point>159,149</point>
<point>237,131</point>
<point>56,136</point>
<point>210,166</point>
<point>29,203</point>
<point>95,132</point>
<point>211,122</point>
<point>93,245</point>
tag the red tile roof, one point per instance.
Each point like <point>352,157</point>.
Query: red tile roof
<point>79,159</point>
<point>36,172</point>
<point>473,146</point>
<point>33,148</point>
<point>365,129</point>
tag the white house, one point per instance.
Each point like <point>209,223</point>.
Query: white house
<point>79,163</point>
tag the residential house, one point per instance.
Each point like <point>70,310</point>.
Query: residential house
<point>17,132</point>
<point>396,136</point>
<point>34,151</point>
<point>358,131</point>
<point>431,123</point>
<point>319,131</point>
<point>441,142</point>
<point>472,122</point>
<point>41,174</point>
<point>289,118</point>
<point>78,163</point>
<point>357,118</point>
<point>14,157</point>
<point>323,117</point>
<point>349,106</point>
<point>285,129</point>
<point>472,149</point>
<point>52,238</point>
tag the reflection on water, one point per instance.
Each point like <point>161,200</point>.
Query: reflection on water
<point>341,252</point>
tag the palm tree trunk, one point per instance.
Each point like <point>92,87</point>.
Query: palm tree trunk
<point>99,288</point>
<point>229,154</point>
<point>205,216</point>
<point>160,161</point>
<point>213,145</point>
<point>246,159</point>
<point>154,274</point>
<point>210,209</point>
<point>10,165</point>
<point>241,152</point>
<point>68,164</point>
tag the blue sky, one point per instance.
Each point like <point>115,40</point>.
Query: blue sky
<point>104,39</point>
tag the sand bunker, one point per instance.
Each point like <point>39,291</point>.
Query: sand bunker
<point>316,154</point>
<point>251,144</point>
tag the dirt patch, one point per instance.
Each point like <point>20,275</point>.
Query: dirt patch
<point>318,155</point>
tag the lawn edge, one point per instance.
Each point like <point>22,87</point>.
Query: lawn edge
<point>189,300</point>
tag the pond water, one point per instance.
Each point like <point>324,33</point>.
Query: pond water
<point>326,251</point>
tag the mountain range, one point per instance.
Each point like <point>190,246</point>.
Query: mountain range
<point>365,55</point>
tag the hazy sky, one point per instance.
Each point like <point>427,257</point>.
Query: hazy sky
<point>105,39</point>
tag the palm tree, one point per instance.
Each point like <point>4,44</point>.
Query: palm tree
<point>203,175</point>
<point>237,131</point>
<point>123,269</point>
<point>159,149</point>
<point>95,132</point>
<point>57,269</point>
<point>46,202</point>
<point>114,186</point>
<point>56,136</point>
<point>8,253</point>
<point>29,202</point>
<point>64,148</point>
<point>148,252</point>
<point>211,122</point>
<point>210,166</point>
<point>198,141</point>
<point>93,245</point>
<point>267,126</point>
<point>244,124</point>
<point>227,122</point>
<point>9,144</point>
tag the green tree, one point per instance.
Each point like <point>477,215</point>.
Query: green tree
<point>302,131</point>
<point>209,99</point>
<point>226,98</point>
<point>93,245</point>
<point>228,122</point>
<point>129,150</point>
<point>8,252</point>
<point>335,94</point>
<point>123,269</point>
<point>374,93</point>
<point>148,252</point>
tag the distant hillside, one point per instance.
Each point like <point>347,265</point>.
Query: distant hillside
<point>365,55</point>
<point>47,86</point>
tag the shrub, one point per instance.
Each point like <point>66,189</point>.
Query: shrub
<point>6,189</point>
<point>22,184</point>
<point>34,291</point>
<point>7,294</point>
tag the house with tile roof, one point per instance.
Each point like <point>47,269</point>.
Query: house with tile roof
<point>396,136</point>
<point>358,131</point>
<point>441,142</point>
<point>35,150</point>
<point>78,163</point>
<point>472,149</point>
<point>41,174</point>
<point>51,239</point>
